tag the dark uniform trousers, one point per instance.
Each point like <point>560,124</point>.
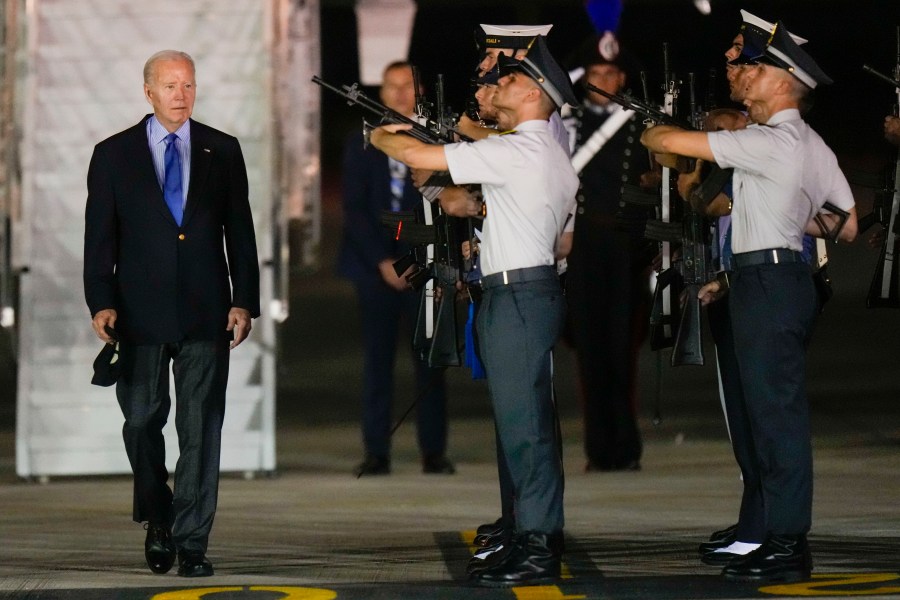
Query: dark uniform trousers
<point>752,517</point>
<point>773,310</point>
<point>382,311</point>
<point>518,325</point>
<point>200,368</point>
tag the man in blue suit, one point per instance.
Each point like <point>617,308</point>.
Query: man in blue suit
<point>167,201</point>
<point>372,184</point>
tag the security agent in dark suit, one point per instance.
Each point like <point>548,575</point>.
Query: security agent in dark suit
<point>158,210</point>
<point>372,184</point>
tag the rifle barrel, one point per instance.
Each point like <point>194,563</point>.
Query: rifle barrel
<point>387,115</point>
<point>637,106</point>
<point>880,75</point>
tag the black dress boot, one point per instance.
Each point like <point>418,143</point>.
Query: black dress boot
<point>719,539</point>
<point>532,560</point>
<point>491,534</point>
<point>780,558</point>
<point>489,557</point>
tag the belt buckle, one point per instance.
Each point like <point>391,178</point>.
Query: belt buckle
<point>774,252</point>
<point>505,278</point>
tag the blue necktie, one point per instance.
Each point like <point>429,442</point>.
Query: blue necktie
<point>398,182</point>
<point>172,189</point>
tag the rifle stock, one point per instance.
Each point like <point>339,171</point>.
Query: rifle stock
<point>688,348</point>
<point>695,271</point>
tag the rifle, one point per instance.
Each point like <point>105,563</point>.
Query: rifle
<point>884,292</point>
<point>436,253</point>
<point>650,113</point>
<point>430,132</point>
<point>694,268</point>
<point>677,223</point>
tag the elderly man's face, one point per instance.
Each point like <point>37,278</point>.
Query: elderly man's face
<point>172,91</point>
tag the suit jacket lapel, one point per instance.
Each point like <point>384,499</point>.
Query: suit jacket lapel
<point>201,157</point>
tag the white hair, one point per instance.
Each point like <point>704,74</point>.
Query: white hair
<point>165,55</point>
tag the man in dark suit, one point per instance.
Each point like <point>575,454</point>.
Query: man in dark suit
<point>372,184</point>
<point>163,195</point>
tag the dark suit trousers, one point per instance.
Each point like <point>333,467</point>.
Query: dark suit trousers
<point>773,310</point>
<point>201,374</point>
<point>752,517</point>
<point>518,326</point>
<point>383,310</point>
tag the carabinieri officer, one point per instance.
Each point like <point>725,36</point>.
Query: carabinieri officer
<point>529,189</point>
<point>783,175</point>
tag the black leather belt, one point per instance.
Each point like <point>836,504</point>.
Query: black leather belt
<point>518,276</point>
<point>771,256</point>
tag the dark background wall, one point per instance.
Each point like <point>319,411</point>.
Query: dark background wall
<point>843,35</point>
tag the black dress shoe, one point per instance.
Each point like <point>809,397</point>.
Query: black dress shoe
<point>719,539</point>
<point>437,465</point>
<point>373,465</point>
<point>494,528</point>
<point>194,564</point>
<point>531,561</point>
<point>729,532</point>
<point>780,558</point>
<point>489,557</point>
<point>159,549</point>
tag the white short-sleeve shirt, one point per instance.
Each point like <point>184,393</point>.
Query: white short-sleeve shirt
<point>783,174</point>
<point>529,187</point>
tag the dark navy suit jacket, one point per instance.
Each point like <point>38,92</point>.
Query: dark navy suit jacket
<point>169,283</point>
<point>366,182</point>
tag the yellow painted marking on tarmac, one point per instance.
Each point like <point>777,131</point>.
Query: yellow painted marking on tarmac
<point>468,538</point>
<point>290,593</point>
<point>832,580</point>
<point>543,592</point>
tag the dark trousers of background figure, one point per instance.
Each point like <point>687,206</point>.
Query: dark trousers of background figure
<point>605,293</point>
<point>518,325</point>
<point>201,373</point>
<point>773,310</point>
<point>751,517</point>
<point>382,311</point>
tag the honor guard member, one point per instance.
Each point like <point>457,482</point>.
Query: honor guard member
<point>511,41</point>
<point>748,533</point>
<point>529,188</point>
<point>783,174</point>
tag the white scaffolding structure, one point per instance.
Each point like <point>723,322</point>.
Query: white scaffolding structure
<point>83,83</point>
